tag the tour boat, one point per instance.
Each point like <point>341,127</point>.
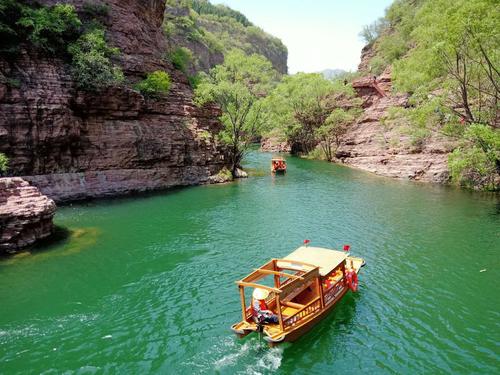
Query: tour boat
<point>307,284</point>
<point>278,165</point>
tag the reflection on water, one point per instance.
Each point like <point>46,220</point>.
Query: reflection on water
<point>70,241</point>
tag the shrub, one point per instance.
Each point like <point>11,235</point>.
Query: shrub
<point>377,65</point>
<point>50,28</point>
<point>195,80</point>
<point>225,175</point>
<point>205,135</point>
<point>181,57</point>
<point>155,84</point>
<point>96,9</point>
<point>475,163</point>
<point>169,29</point>
<point>92,68</point>
<point>4,161</point>
<point>212,42</point>
<point>316,154</point>
<point>392,47</point>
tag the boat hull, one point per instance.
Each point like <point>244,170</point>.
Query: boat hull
<point>297,332</point>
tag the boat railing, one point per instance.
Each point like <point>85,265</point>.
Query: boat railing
<point>332,293</point>
<point>311,308</point>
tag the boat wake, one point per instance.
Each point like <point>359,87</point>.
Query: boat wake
<point>270,361</point>
<point>253,357</point>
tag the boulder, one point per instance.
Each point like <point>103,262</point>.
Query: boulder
<point>240,173</point>
<point>25,215</point>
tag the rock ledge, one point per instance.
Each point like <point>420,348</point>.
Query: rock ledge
<point>25,215</point>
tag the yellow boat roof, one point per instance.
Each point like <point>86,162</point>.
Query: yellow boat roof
<point>325,259</point>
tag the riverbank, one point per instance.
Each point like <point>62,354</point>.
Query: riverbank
<point>371,144</point>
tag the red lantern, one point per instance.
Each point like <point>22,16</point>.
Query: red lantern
<point>347,247</point>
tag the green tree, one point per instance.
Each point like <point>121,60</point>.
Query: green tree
<point>238,86</point>
<point>300,106</point>
<point>456,51</point>
<point>49,28</point>
<point>371,32</point>
<point>92,67</point>
<point>335,126</point>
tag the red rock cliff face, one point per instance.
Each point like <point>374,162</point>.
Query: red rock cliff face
<point>74,145</point>
<point>376,146</point>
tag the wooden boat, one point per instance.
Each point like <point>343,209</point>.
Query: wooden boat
<point>307,284</point>
<point>278,165</point>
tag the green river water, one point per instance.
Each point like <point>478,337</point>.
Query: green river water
<point>146,284</point>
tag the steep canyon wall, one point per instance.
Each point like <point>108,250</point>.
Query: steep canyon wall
<point>75,145</point>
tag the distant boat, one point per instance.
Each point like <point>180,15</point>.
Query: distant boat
<point>278,165</point>
<point>308,283</point>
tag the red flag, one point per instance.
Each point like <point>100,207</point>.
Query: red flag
<point>306,242</point>
<point>347,247</point>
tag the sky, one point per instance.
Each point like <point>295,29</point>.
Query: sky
<point>319,34</point>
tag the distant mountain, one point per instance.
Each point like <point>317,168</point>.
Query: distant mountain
<point>332,73</point>
<point>209,31</point>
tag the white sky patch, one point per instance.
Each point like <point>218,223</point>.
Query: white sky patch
<point>319,34</point>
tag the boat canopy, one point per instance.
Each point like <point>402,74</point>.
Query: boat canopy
<point>326,259</point>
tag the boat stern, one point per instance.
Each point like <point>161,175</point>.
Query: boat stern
<point>356,263</point>
<point>242,329</point>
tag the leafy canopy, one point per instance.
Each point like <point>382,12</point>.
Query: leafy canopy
<point>92,67</point>
<point>445,54</point>
<point>300,107</point>
<point>49,28</point>
<point>238,86</point>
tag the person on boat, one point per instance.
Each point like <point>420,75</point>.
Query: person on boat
<point>260,309</point>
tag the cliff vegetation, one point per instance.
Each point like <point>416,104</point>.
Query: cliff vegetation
<point>446,56</point>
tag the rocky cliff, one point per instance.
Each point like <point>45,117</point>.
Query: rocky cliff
<point>25,215</point>
<point>76,145</point>
<point>374,145</point>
